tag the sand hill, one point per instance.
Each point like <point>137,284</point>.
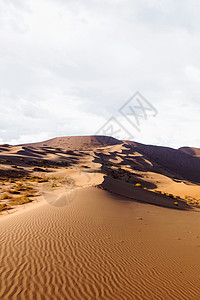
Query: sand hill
<point>191,151</point>
<point>77,142</point>
<point>93,217</point>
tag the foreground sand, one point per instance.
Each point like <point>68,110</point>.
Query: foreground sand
<point>100,246</point>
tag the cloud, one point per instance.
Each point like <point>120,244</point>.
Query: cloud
<point>66,67</point>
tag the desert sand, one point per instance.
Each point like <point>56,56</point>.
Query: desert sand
<point>99,219</point>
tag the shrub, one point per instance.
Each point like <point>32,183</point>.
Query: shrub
<point>38,179</point>
<point>20,200</point>
<point>42,179</point>
<point>138,184</point>
<point>15,191</point>
<point>5,196</point>
<point>3,206</point>
<point>159,192</point>
<point>171,195</point>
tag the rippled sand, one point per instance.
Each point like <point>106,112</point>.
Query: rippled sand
<point>100,246</point>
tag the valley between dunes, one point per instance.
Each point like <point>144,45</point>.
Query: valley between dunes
<point>106,219</point>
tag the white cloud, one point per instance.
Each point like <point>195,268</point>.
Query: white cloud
<point>66,67</point>
<point>192,73</point>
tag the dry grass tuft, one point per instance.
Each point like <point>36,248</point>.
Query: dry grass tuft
<point>3,206</point>
<point>20,200</point>
<point>138,184</point>
<point>5,196</point>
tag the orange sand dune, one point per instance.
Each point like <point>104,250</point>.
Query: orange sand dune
<point>100,247</point>
<point>103,227</point>
<point>77,142</point>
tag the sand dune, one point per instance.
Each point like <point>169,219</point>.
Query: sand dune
<point>173,161</point>
<point>77,142</point>
<point>100,247</point>
<point>104,219</point>
<point>138,194</point>
<point>191,151</point>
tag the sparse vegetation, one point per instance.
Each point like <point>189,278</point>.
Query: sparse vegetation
<point>191,201</point>
<point>138,184</point>
<point>38,179</point>
<point>5,196</point>
<point>3,206</point>
<point>20,200</point>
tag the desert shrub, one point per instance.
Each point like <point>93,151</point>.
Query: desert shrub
<point>84,166</point>
<point>3,206</point>
<point>43,179</point>
<point>8,160</point>
<point>138,184</point>
<point>15,191</point>
<point>20,200</point>
<point>171,195</point>
<point>29,193</point>
<point>38,179</point>
<point>10,180</point>
<point>5,196</point>
<point>53,185</point>
<point>159,192</point>
<point>20,187</point>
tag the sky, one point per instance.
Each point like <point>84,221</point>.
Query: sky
<point>70,67</point>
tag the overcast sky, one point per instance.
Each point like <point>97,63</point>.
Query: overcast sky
<point>67,67</point>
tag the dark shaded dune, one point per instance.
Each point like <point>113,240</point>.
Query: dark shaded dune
<point>77,142</point>
<point>131,156</point>
<point>10,173</point>
<point>138,194</point>
<point>176,162</point>
<point>191,151</point>
<point>4,147</point>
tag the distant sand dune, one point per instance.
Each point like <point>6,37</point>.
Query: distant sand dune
<point>191,151</point>
<point>77,142</point>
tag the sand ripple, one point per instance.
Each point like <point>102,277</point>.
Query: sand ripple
<point>90,249</point>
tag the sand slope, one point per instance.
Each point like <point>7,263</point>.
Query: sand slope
<point>103,230</point>
<point>100,247</point>
<point>191,151</point>
<point>176,162</point>
<point>77,142</point>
